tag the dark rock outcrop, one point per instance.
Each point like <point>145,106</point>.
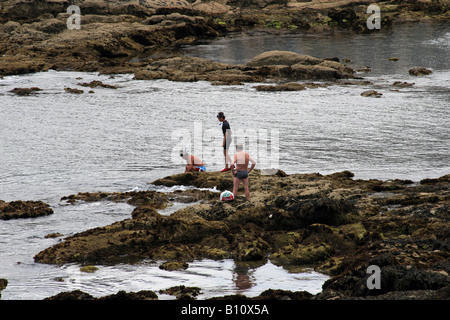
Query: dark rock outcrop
<point>23,209</point>
<point>338,225</point>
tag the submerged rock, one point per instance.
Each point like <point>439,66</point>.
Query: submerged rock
<point>73,90</point>
<point>292,86</point>
<point>25,91</point>
<point>371,93</point>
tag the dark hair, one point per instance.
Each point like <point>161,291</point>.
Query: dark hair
<point>220,115</point>
<point>239,146</point>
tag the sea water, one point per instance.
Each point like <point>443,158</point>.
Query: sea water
<point>54,144</point>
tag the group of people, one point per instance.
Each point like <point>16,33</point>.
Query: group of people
<point>238,166</point>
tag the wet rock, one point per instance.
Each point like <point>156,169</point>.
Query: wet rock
<point>250,247</point>
<point>419,71</point>
<point>300,67</point>
<point>302,255</point>
<point>73,90</point>
<point>132,239</point>
<point>271,294</point>
<point>372,93</point>
<point>344,17</point>
<point>89,269</point>
<point>23,209</point>
<point>261,68</point>
<point>25,11</point>
<point>297,212</point>
<point>97,83</point>
<point>365,69</point>
<point>25,91</point>
<point>121,295</point>
<point>291,86</point>
<point>402,84</point>
<point>53,235</point>
<point>52,26</point>
<point>3,285</point>
<point>394,278</point>
<point>72,295</point>
<point>285,58</point>
<point>20,64</point>
<point>182,292</point>
<point>441,180</point>
<point>157,200</point>
<point>334,223</point>
<point>222,181</point>
<point>302,72</point>
<point>345,70</point>
<point>174,265</point>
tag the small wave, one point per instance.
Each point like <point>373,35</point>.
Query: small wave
<point>179,188</point>
<point>443,42</point>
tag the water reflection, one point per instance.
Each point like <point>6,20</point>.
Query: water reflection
<point>241,277</point>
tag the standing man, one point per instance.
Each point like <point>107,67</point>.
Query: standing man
<point>241,160</point>
<point>226,139</point>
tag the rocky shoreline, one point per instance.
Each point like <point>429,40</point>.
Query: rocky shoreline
<point>118,37</point>
<point>333,223</point>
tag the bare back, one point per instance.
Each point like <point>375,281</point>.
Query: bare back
<point>194,160</point>
<point>241,160</point>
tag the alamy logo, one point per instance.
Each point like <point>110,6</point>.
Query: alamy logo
<point>262,144</point>
<point>74,21</point>
<point>374,21</point>
<point>374,281</point>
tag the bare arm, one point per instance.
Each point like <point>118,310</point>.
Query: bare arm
<point>253,163</point>
<point>190,164</point>
<point>232,164</point>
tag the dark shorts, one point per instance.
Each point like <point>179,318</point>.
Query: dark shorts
<point>241,174</point>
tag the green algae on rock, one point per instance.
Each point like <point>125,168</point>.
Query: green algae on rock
<point>332,223</point>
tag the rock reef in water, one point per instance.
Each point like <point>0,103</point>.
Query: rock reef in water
<point>278,67</point>
<point>336,224</point>
<point>23,209</point>
<point>115,35</point>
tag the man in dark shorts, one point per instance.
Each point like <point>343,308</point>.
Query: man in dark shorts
<point>226,130</point>
<point>240,163</point>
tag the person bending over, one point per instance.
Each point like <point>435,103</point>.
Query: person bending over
<point>193,163</point>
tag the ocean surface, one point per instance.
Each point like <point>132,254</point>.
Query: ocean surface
<point>53,144</point>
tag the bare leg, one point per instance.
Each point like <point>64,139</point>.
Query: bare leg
<point>246,190</point>
<point>227,157</point>
<point>236,182</point>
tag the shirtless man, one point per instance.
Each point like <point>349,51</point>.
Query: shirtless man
<point>240,163</point>
<point>193,163</point>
